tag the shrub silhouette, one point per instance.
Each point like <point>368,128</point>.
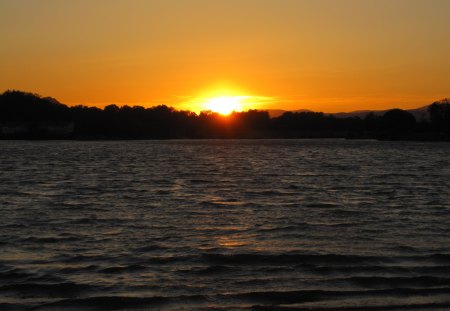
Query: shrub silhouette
<point>398,120</point>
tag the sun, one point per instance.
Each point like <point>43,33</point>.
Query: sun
<point>224,104</point>
<point>223,99</point>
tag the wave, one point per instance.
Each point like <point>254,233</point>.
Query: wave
<point>389,307</point>
<point>14,274</point>
<point>302,296</point>
<point>294,227</point>
<point>150,248</point>
<point>76,269</point>
<point>210,270</point>
<point>381,282</point>
<point>121,302</point>
<point>50,239</point>
<point>318,259</point>
<point>48,290</point>
<point>262,300</point>
<point>12,306</point>
<point>122,269</point>
<point>248,258</point>
<point>388,269</point>
<point>324,205</point>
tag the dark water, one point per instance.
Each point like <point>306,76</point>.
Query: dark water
<point>253,224</point>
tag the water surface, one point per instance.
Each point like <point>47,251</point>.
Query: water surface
<point>224,224</point>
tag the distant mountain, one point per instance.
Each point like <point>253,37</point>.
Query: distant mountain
<point>274,113</point>
<point>357,113</point>
<point>419,113</point>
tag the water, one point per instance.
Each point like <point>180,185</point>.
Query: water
<point>247,224</point>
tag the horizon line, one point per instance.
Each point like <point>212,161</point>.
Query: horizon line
<point>174,106</point>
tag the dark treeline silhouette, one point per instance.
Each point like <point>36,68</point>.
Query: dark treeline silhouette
<point>30,116</point>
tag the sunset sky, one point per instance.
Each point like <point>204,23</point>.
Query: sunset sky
<point>335,55</point>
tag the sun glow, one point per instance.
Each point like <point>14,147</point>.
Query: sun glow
<point>224,98</point>
<point>224,104</point>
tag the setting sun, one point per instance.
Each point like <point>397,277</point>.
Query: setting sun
<point>224,104</point>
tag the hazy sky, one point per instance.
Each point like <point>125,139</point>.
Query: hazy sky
<point>327,55</point>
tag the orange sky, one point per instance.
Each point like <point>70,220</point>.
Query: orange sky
<point>288,54</point>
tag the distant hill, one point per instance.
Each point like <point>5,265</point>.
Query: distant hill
<point>419,113</point>
<point>275,113</point>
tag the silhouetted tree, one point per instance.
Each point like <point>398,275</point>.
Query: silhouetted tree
<point>32,116</point>
<point>440,115</point>
<point>398,119</point>
<point>21,106</point>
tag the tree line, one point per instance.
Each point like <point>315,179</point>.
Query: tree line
<point>28,116</point>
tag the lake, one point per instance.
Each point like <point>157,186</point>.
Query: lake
<point>224,225</point>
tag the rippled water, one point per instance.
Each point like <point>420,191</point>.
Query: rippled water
<point>172,225</point>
